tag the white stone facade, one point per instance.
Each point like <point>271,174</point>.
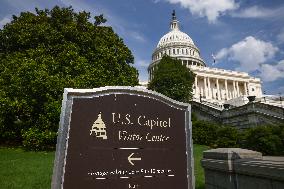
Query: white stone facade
<point>211,84</point>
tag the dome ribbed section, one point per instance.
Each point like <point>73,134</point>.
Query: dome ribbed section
<point>175,37</point>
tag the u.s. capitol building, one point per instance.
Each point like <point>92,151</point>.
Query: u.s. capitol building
<point>211,85</point>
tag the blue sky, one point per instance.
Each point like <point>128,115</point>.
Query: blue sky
<point>244,35</point>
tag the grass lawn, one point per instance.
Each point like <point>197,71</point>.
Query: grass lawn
<point>33,170</point>
<point>25,170</point>
<point>198,170</point>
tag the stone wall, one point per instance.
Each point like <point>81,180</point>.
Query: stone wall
<point>248,115</point>
<point>235,168</point>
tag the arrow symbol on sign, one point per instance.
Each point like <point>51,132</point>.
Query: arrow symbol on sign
<point>130,159</point>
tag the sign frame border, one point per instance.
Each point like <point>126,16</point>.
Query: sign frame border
<point>65,119</point>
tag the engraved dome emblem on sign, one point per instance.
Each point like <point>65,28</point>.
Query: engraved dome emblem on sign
<point>99,128</point>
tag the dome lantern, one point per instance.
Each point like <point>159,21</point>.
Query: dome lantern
<point>174,22</point>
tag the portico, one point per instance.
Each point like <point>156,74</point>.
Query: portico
<point>218,85</point>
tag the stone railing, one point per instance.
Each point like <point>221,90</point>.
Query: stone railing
<point>206,112</point>
<point>248,115</point>
<point>272,102</point>
<point>235,168</point>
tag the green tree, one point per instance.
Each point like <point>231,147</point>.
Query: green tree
<point>44,52</point>
<point>173,79</point>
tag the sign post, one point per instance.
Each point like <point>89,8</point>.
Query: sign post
<point>121,138</point>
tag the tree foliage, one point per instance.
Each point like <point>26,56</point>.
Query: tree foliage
<point>266,139</point>
<point>173,79</point>
<point>44,52</point>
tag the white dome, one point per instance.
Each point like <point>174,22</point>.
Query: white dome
<point>175,36</point>
<point>177,44</point>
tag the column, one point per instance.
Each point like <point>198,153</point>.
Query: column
<point>245,87</point>
<point>234,89</point>
<point>205,88</point>
<point>218,90</point>
<point>195,84</point>
<point>209,88</point>
<point>226,90</point>
<point>238,89</point>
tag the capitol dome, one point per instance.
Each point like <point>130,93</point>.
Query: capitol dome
<point>177,37</point>
<point>176,44</point>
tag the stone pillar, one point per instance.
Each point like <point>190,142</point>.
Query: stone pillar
<point>209,88</point>
<point>226,89</point>
<point>234,89</point>
<point>238,89</point>
<point>245,87</point>
<point>205,88</point>
<point>218,90</point>
<point>235,168</point>
<point>195,84</point>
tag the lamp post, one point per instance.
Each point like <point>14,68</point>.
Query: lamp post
<point>264,92</point>
<point>280,99</point>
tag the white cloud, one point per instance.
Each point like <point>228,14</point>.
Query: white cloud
<point>156,1</point>
<point>211,9</point>
<point>120,25</point>
<point>4,21</point>
<point>280,36</point>
<point>142,63</point>
<point>249,53</point>
<point>259,12</point>
<point>136,35</point>
<point>272,72</point>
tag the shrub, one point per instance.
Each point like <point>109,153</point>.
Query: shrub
<point>193,117</point>
<point>227,137</point>
<point>265,139</point>
<point>204,133</point>
<point>35,139</point>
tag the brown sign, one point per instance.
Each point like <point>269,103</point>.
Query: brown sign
<point>122,138</point>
